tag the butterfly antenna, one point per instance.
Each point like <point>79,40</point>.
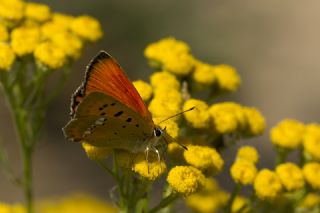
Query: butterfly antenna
<point>192,108</point>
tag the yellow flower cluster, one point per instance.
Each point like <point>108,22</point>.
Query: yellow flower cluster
<point>166,101</point>
<point>228,117</point>
<point>207,159</point>
<point>144,89</point>
<point>52,38</point>
<point>186,179</point>
<point>80,203</point>
<point>7,57</point>
<point>221,76</point>
<point>150,170</point>
<point>174,56</point>
<point>267,185</point>
<point>199,117</point>
<point>291,176</point>
<point>311,141</point>
<point>244,170</point>
<point>209,199</point>
<point>311,172</point>
<point>287,134</point>
<point>310,200</point>
<point>171,55</point>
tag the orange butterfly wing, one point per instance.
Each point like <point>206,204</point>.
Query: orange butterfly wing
<point>105,75</point>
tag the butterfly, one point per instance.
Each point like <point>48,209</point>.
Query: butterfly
<point>107,111</point>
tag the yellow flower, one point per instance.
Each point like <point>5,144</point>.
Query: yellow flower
<point>164,79</point>
<point>243,172</point>
<point>62,19</point>
<point>51,28</point>
<point>96,153</point>
<point>5,208</point>
<point>186,179</point>
<point>150,170</point>
<point>290,176</point>
<point>227,77</point>
<point>50,55</point>
<point>7,57</point>
<point>165,104</point>
<point>256,123</point>
<point>311,172</point>
<point>267,185</point>
<point>311,140</point>
<point>144,89</point>
<point>80,203</point>
<point>287,134</point>
<point>248,153</point>
<point>171,54</point>
<point>11,10</point>
<point>137,162</point>
<point>239,203</point>
<point>199,117</point>
<point>24,40</point>
<point>204,158</point>
<point>171,127</point>
<point>3,33</point>
<point>87,28</point>
<point>227,117</point>
<point>69,43</point>
<point>209,199</point>
<point>38,12</point>
<point>204,74</point>
<point>310,200</point>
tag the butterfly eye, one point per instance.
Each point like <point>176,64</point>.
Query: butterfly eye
<point>157,132</point>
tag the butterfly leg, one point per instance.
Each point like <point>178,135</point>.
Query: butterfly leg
<point>146,151</point>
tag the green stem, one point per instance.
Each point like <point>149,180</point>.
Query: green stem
<point>233,196</point>
<point>165,202</point>
<point>281,155</point>
<point>27,174</point>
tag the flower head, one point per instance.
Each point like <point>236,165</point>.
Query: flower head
<point>311,140</point>
<point>87,28</point>
<point>243,172</point>
<point>11,10</point>
<point>206,159</point>
<point>164,79</point>
<point>170,54</point>
<point>240,203</point>
<point>62,19</point>
<point>248,153</point>
<point>227,77</point>
<point>37,12</point>
<point>287,134</point>
<point>144,89</point>
<point>186,179</point>
<point>227,117</point>
<point>204,74</point>
<point>310,200</point>
<point>51,28</point>
<point>69,43</point>
<point>290,176</point>
<point>7,56</point>
<point>96,153</point>
<point>199,117</point>
<point>25,39</point>
<point>80,203</point>
<point>267,185</point>
<point>256,123</point>
<point>150,170</point>
<point>4,35</point>
<point>50,55</point>
<point>311,172</point>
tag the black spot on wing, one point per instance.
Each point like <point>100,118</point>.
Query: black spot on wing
<point>129,120</point>
<point>118,114</point>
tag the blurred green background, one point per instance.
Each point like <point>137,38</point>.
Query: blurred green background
<point>273,44</point>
